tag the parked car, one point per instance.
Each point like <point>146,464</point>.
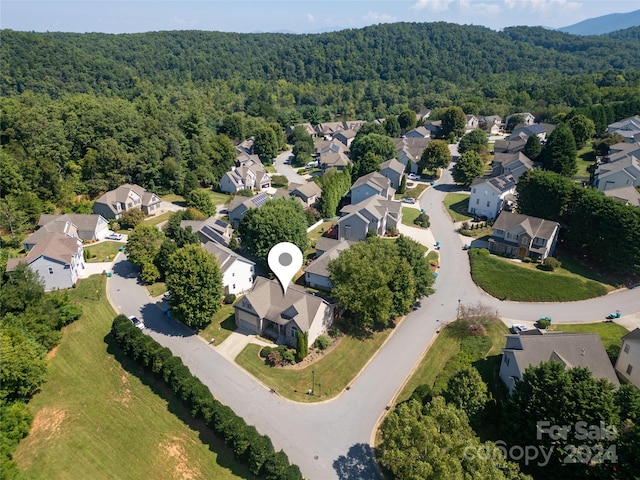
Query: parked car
<point>517,328</point>
<point>409,200</point>
<point>114,236</point>
<point>413,176</point>
<point>137,322</point>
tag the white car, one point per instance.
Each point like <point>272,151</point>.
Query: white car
<point>137,322</point>
<point>408,200</point>
<point>114,236</point>
<point>413,176</point>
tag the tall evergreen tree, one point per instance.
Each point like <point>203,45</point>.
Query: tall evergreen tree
<point>559,155</point>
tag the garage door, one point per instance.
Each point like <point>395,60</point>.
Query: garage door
<point>246,322</point>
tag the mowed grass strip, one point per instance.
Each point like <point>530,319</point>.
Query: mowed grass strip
<point>102,251</point>
<point>409,215</point>
<point>457,205</point>
<point>335,371</point>
<point>506,280</point>
<point>439,363</point>
<point>222,325</point>
<point>95,419</point>
<point>610,333</point>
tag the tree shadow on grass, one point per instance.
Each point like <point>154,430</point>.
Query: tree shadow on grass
<point>359,463</point>
<point>225,457</point>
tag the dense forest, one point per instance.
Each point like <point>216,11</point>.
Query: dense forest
<point>82,113</point>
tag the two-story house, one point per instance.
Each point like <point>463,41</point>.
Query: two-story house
<point>369,185</point>
<point>393,170</point>
<point>490,195</point>
<point>628,363</point>
<point>248,176</point>
<point>374,214</point>
<point>238,273</point>
<point>524,236</point>
<point>409,151</point>
<point>114,203</point>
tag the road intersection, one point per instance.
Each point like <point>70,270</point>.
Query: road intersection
<point>333,439</point>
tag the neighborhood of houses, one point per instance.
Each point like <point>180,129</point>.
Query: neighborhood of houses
<point>55,250</point>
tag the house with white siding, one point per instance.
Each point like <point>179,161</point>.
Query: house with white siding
<point>238,273</point>
<point>490,195</point>
<point>114,203</point>
<point>628,363</point>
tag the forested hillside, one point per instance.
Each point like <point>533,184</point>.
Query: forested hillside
<point>401,52</point>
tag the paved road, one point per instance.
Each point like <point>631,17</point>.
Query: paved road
<point>286,169</point>
<point>332,439</point>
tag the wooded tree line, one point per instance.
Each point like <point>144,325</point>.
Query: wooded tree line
<point>598,227</point>
<point>30,323</point>
<point>247,444</point>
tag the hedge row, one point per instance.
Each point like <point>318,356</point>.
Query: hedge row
<point>244,440</point>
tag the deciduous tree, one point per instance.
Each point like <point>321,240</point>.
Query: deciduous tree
<point>583,129</point>
<point>195,283</point>
<point>467,168</point>
<point>453,122</point>
<point>435,155</point>
<point>143,244</point>
<point>474,140</point>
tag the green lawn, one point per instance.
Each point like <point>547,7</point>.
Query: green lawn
<point>95,419</point>
<point>610,333</point>
<point>585,160</point>
<point>158,219</point>
<point>103,251</point>
<point>222,325</point>
<point>174,198</point>
<point>157,288</point>
<point>335,371</point>
<point>217,197</point>
<point>320,230</point>
<point>508,280</point>
<point>450,351</point>
<point>457,205</point>
<point>409,215</point>
<point>413,192</point>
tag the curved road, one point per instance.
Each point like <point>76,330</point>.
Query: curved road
<point>332,439</point>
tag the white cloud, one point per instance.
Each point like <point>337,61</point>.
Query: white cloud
<point>310,18</point>
<point>375,17</point>
<point>479,8</point>
<point>542,6</point>
<point>433,5</point>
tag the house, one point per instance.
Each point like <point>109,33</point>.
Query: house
<point>621,171</point>
<point>329,129</point>
<point>528,119</point>
<point>514,164</point>
<point>210,230</point>
<point>371,184</point>
<point>250,175</point>
<point>245,147</point>
<point>541,130</point>
<point>511,144</point>
<point>423,114</point>
<point>627,195</point>
<point>345,137</point>
<point>491,124</point>
<point>308,193</point>
<point>418,132</point>
<point>328,146</point>
<point>57,258</point>
<point>434,127</point>
<point>570,349</point>
<point>267,311</point>
<point>338,160</point>
<point>238,272</point>
<point>240,205</point>
<point>409,151</point>
<point>316,275</point>
<point>629,128</point>
<point>524,236</point>
<point>114,203</point>
<point>374,214</point>
<point>393,170</point>
<point>628,363</point>
<point>490,195</point>
<point>88,227</point>
<point>307,128</point>
<point>471,123</point>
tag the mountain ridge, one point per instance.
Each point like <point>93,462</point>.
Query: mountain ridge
<point>604,24</point>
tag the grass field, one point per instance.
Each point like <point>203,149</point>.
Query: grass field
<point>585,160</point>
<point>507,280</point>
<point>95,419</point>
<point>413,192</point>
<point>409,215</point>
<point>158,219</point>
<point>335,371</point>
<point>457,205</point>
<point>450,351</point>
<point>102,251</point>
<point>610,333</point>
<point>222,325</point>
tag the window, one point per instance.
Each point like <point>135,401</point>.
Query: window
<point>488,203</point>
<point>474,190</point>
<point>506,360</point>
<point>477,201</point>
<point>294,332</point>
<point>233,274</point>
<point>629,369</point>
<point>627,347</point>
<point>50,270</point>
<point>234,286</point>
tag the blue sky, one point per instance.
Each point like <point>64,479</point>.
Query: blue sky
<point>296,16</point>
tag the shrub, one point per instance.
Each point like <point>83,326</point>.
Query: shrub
<point>245,192</point>
<point>259,450</point>
<point>392,232</point>
<point>274,359</point>
<point>550,264</point>
<point>322,342</point>
<point>527,260</point>
<point>544,323</point>
<point>333,331</point>
<point>422,220</point>
<point>229,298</point>
<point>288,357</point>
<point>265,351</point>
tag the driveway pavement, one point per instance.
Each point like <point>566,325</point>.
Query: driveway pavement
<point>332,439</point>
<point>286,170</point>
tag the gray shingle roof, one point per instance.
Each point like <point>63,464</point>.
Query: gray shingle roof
<point>534,226</point>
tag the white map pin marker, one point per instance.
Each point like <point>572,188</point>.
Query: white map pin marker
<point>285,259</point>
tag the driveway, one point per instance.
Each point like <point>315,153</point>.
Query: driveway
<point>286,170</point>
<point>332,439</point>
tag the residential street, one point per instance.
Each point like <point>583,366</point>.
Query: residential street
<point>332,439</point>
<point>286,169</point>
